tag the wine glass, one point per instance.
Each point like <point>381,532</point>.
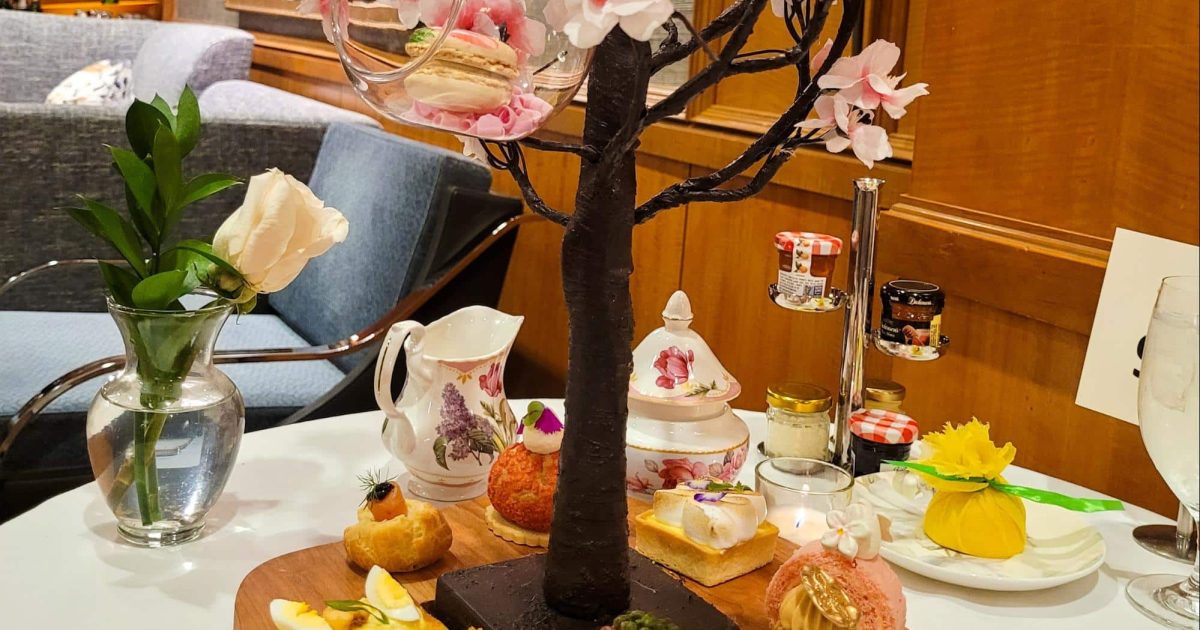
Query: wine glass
<point>1169,415</point>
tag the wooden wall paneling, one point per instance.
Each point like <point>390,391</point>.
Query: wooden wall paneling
<point>1078,114</point>
<point>533,286</point>
<point>730,259</point>
<point>1012,269</point>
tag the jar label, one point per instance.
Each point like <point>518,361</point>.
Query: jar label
<point>798,282</point>
<point>911,332</point>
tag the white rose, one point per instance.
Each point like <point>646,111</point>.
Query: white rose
<point>278,228</point>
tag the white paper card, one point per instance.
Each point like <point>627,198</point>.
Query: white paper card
<point>1136,266</point>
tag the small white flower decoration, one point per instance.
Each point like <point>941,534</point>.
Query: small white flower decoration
<point>854,533</point>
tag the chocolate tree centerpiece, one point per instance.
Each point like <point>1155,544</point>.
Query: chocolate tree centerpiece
<point>493,71</point>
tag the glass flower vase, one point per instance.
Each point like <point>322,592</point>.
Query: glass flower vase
<point>163,435</point>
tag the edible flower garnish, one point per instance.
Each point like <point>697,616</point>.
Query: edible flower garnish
<point>968,451</point>
<point>540,417</point>
<point>853,532</point>
<point>708,497</point>
<point>965,459</point>
<point>354,605</point>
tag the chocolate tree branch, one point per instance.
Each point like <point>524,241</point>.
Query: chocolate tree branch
<point>778,135</point>
<point>713,72</point>
<point>513,160</point>
<point>586,152</point>
<point>695,34</point>
<point>753,62</point>
<point>671,51</point>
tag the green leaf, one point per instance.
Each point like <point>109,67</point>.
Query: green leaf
<point>143,221</point>
<point>110,226</point>
<point>534,411</point>
<point>353,605</point>
<point>204,186</point>
<point>168,170</point>
<point>141,124</point>
<point>164,108</point>
<point>206,250</point>
<point>138,175</point>
<point>187,124</point>
<point>162,289</point>
<point>439,451</point>
<point>120,283</point>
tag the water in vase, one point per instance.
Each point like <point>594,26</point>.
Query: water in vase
<point>186,468</point>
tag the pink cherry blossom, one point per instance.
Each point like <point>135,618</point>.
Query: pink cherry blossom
<point>819,59</point>
<point>587,22</point>
<point>864,82</point>
<point>848,126</point>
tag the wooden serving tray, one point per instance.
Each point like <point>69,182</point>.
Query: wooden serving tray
<point>322,573</point>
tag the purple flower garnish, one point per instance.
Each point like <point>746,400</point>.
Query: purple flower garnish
<point>697,484</point>
<point>541,418</point>
<point>548,422</point>
<point>709,497</point>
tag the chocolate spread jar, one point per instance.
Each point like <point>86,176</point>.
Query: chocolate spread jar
<point>806,262</point>
<point>912,313</point>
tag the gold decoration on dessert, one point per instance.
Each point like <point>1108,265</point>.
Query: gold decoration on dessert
<point>512,532</point>
<point>817,603</point>
<point>830,598</point>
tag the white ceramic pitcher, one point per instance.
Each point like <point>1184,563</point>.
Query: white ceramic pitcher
<point>452,419</point>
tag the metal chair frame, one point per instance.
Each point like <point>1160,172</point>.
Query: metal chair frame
<point>405,308</point>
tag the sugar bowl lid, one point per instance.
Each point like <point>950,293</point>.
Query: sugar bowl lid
<point>674,365</point>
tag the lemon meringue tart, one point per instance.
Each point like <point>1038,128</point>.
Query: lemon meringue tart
<point>707,530</point>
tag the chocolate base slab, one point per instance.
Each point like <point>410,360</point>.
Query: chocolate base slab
<point>508,596</point>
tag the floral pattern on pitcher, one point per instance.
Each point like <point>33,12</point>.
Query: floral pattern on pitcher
<point>462,434</point>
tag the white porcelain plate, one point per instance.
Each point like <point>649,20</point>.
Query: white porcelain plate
<point>1061,548</point>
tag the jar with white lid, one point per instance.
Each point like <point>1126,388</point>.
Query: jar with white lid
<point>798,421</point>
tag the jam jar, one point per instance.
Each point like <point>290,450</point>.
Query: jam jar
<point>912,313</point>
<point>806,261</point>
<point>877,435</point>
<point>883,394</point>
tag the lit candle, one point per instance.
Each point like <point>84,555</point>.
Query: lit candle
<point>800,525</point>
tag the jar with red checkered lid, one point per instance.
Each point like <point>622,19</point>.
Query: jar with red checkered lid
<point>806,262</point>
<point>877,435</point>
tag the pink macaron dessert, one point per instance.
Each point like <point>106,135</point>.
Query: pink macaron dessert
<point>847,556</point>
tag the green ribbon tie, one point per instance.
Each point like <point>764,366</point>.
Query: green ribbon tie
<point>1031,494</point>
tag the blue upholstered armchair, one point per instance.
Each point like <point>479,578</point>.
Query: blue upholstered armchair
<point>425,238</point>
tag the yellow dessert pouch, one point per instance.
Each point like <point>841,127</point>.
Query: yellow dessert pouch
<point>985,522</point>
<point>971,516</point>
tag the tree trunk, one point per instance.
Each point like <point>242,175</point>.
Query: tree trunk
<point>587,569</point>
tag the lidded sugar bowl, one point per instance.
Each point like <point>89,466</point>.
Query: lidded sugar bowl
<point>680,424</point>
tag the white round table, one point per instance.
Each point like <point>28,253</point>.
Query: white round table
<point>62,564</point>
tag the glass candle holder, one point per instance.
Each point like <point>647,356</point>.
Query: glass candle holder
<point>799,492</point>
